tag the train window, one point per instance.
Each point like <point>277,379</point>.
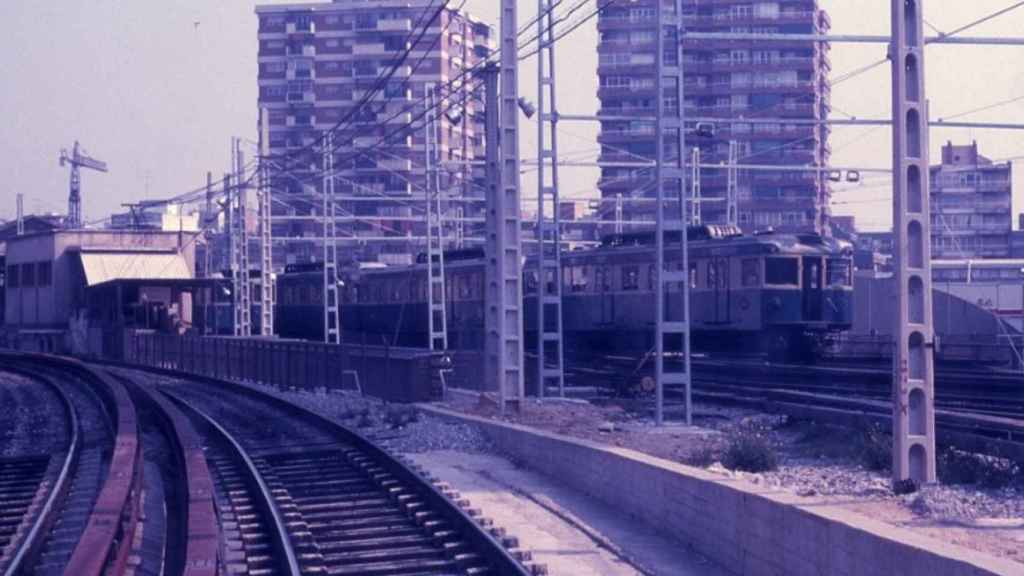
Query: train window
<point>712,277</point>
<point>530,286</point>
<point>464,287</point>
<point>578,278</point>
<point>751,272</point>
<point>780,270</point>
<point>604,279</point>
<point>630,277</point>
<point>12,276</point>
<point>839,273</point>
<point>693,274</point>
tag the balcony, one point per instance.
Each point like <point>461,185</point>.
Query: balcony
<point>300,28</point>
<point>399,25</point>
<point>374,48</point>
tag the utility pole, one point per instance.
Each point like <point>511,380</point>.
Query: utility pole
<point>504,294</point>
<point>437,321</point>
<point>670,173</point>
<point>266,231</point>
<point>332,308</point>
<point>78,159</point>
<point>240,247</point>
<point>228,241</point>
<point>549,250</point>
<point>208,220</point>
<point>731,192</point>
<point>913,362</point>
<point>21,214</point>
<point>618,213</point>
<point>695,193</point>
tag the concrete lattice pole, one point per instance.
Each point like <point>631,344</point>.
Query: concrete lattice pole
<point>504,293</point>
<point>913,361</point>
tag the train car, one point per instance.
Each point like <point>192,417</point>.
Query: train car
<point>778,293</point>
<point>782,294</point>
<point>389,304</point>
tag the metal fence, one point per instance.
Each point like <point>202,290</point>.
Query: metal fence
<point>387,372</point>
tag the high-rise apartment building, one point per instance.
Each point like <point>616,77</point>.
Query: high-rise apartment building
<point>317,62</point>
<point>971,205</point>
<point>725,79</point>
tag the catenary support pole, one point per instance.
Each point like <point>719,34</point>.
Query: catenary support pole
<point>913,363</point>
<point>437,321</point>
<point>266,230</point>
<point>549,351</point>
<point>672,314</point>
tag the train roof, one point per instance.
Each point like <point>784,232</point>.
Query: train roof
<point>722,240</point>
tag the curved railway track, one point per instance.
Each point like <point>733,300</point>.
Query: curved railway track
<point>88,522</point>
<point>325,499</point>
<point>32,485</point>
<point>203,477</point>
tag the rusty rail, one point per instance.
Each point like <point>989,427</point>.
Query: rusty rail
<point>109,533</point>
<point>202,530</point>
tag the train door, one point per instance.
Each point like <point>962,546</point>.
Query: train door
<point>607,296</point>
<point>720,288</point>
<point>812,297</point>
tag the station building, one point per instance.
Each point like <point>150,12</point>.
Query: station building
<point>75,290</point>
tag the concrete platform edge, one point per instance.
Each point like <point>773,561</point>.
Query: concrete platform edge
<point>747,529</point>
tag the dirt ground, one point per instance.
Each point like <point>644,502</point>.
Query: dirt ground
<point>821,463</point>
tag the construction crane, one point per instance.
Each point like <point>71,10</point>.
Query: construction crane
<point>78,159</point>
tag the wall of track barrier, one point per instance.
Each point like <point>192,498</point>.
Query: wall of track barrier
<point>390,373</point>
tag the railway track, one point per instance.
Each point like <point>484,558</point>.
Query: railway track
<point>974,402</point>
<point>87,522</point>
<point>325,499</point>
<point>209,478</point>
<point>32,481</point>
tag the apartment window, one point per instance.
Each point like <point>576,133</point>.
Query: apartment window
<point>366,22</point>
<point>766,10</point>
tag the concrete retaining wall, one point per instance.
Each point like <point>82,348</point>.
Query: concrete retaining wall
<point>747,529</point>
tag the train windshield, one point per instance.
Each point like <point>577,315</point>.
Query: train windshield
<point>779,270</point>
<point>839,273</point>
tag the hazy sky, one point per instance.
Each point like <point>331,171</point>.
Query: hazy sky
<point>158,97</point>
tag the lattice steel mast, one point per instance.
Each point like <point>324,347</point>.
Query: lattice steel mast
<point>549,233</point>
<point>240,245</point>
<point>265,198</point>
<point>332,311</point>
<point>437,322</point>
<point>670,172</point>
<point>732,187</point>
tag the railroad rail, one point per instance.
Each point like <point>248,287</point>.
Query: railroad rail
<point>96,508</point>
<point>350,507</point>
<point>26,481</point>
<point>262,486</point>
<point>976,406</point>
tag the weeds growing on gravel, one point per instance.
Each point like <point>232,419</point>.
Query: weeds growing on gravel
<point>750,450</point>
<point>989,470</point>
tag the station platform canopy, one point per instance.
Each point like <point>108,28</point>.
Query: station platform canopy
<point>103,266</point>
